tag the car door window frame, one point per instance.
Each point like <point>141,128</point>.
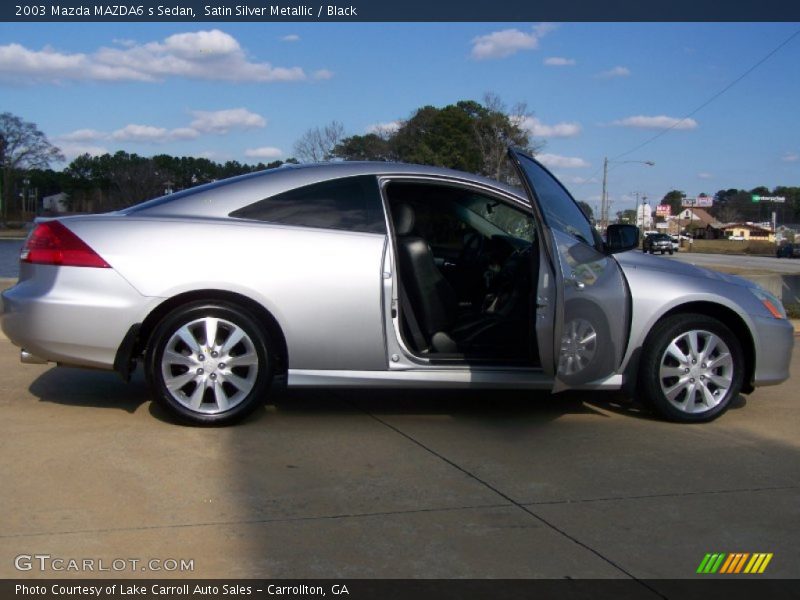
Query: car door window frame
<point>396,346</point>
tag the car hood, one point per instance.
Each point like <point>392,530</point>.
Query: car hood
<point>634,260</point>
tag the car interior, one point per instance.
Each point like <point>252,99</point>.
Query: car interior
<point>466,263</point>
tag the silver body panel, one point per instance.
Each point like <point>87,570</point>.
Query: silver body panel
<point>331,292</point>
<point>321,286</point>
<point>659,285</point>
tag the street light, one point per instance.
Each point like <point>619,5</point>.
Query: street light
<point>604,198</point>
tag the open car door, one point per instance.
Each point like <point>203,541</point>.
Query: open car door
<point>590,297</point>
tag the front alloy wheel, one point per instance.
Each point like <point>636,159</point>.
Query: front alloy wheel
<point>692,368</point>
<point>209,363</point>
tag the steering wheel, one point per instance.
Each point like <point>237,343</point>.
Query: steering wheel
<point>472,251</point>
<point>512,277</point>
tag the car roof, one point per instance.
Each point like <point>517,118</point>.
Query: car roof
<point>221,197</point>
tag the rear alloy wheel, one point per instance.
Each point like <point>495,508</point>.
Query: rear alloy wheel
<point>692,367</point>
<point>209,363</point>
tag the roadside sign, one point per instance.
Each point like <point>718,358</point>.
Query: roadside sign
<point>663,210</point>
<point>776,199</point>
<point>700,202</point>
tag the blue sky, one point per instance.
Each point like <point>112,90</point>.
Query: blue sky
<point>247,91</point>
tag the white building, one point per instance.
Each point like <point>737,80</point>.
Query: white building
<point>56,203</point>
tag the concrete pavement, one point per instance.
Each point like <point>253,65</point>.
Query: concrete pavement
<point>392,484</point>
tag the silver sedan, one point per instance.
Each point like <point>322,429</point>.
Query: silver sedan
<point>382,274</point>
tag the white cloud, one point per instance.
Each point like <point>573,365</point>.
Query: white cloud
<point>72,150</point>
<point>562,162</point>
<point>263,152</point>
<point>223,121</point>
<point>153,135</point>
<point>658,122</point>
<point>83,135</point>
<point>559,130</point>
<point>790,157</point>
<point>207,55</point>
<point>322,74</point>
<point>615,72</point>
<point>292,37</point>
<point>218,122</point>
<point>384,129</point>
<point>705,175</point>
<point>506,42</point>
<point>559,61</point>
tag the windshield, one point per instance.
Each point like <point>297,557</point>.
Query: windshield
<point>507,220</point>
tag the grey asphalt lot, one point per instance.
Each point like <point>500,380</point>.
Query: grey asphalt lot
<point>415,484</point>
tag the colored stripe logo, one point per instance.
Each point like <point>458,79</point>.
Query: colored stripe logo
<point>734,563</point>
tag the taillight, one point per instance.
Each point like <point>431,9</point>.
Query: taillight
<point>51,243</point>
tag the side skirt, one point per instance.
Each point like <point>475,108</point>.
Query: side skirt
<point>532,379</point>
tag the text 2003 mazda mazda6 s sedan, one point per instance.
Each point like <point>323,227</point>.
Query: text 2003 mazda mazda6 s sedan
<point>381,274</point>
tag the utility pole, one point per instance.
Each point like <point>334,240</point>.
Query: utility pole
<point>604,197</point>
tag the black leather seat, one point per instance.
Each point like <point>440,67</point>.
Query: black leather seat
<point>434,301</point>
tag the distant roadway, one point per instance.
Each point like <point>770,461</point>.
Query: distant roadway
<point>739,261</point>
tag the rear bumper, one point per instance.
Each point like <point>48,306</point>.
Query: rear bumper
<point>71,315</point>
<point>774,345</point>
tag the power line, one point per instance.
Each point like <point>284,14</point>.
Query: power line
<point>712,98</point>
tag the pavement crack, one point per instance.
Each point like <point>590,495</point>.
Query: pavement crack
<point>664,495</point>
<point>509,499</point>
<point>256,521</point>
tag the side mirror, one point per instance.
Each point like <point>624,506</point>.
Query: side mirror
<point>620,238</point>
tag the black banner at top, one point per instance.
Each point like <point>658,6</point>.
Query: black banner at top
<point>396,10</point>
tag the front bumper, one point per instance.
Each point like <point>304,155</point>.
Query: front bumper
<point>774,343</point>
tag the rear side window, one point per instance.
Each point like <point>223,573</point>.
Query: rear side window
<point>350,204</point>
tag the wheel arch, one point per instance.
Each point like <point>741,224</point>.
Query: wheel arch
<point>730,318</point>
<point>258,311</point>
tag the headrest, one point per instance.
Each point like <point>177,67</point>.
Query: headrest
<point>403,219</point>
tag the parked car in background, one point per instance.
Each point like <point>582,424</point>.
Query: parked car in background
<point>676,242</point>
<point>385,275</point>
<point>657,242</point>
<point>788,250</point>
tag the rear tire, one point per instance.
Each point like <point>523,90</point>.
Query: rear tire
<point>692,367</point>
<point>209,363</point>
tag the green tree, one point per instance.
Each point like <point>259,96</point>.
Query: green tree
<point>674,198</point>
<point>468,136</point>
<point>627,216</point>
<point>365,147</point>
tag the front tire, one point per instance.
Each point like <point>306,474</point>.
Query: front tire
<point>209,363</point>
<point>692,367</point>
